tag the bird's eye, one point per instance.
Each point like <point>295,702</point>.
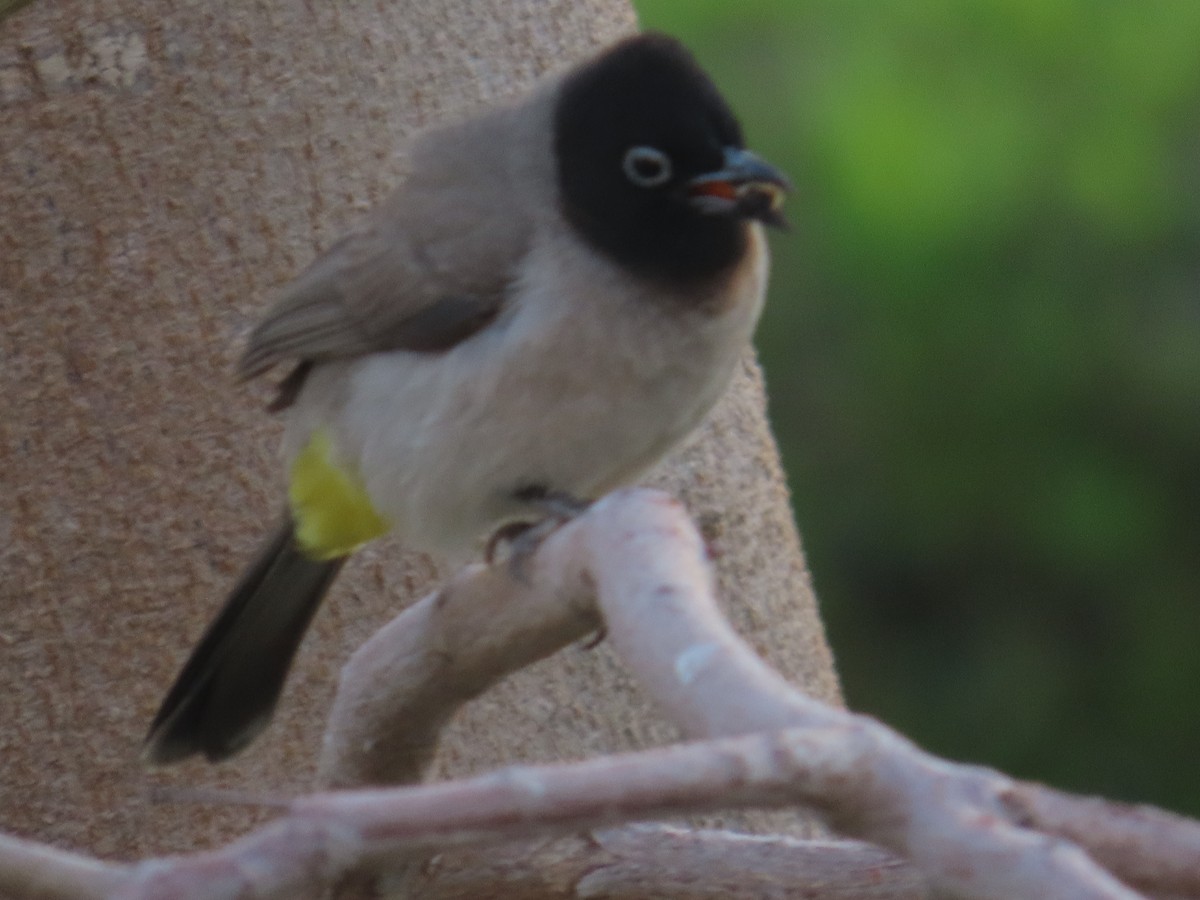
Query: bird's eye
<point>647,167</point>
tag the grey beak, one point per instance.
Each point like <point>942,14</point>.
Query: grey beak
<point>745,186</point>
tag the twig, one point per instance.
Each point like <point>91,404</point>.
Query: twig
<point>1149,848</point>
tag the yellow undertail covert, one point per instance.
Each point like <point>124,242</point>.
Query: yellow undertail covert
<point>330,506</point>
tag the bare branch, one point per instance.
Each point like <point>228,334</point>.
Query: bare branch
<point>645,862</point>
<point>1148,847</point>
<point>326,836</point>
<point>654,588</point>
<point>402,685</point>
<point>969,831</point>
<point>629,863</point>
<point>962,842</point>
<point>31,869</point>
<point>638,556</point>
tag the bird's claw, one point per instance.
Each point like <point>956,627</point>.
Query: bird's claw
<point>524,538</point>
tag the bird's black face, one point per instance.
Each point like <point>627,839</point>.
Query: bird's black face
<point>652,169</point>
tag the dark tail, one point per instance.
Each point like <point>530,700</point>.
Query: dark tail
<point>228,689</point>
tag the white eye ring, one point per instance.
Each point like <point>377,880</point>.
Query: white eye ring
<point>647,166</point>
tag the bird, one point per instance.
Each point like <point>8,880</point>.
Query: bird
<point>553,298</point>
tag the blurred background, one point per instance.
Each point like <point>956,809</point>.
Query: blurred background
<point>983,354</point>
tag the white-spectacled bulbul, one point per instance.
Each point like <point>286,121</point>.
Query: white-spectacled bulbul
<point>554,298</point>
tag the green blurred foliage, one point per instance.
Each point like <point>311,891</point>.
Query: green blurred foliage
<point>983,349</point>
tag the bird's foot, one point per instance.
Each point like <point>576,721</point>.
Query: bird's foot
<point>506,535</point>
<point>523,538</point>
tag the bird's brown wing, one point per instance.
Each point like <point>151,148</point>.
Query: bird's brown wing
<point>425,270</point>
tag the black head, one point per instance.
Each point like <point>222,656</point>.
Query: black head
<point>652,168</point>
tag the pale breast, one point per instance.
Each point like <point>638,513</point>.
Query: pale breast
<point>586,381</point>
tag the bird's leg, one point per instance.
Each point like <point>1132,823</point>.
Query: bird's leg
<point>523,538</point>
<point>509,534</point>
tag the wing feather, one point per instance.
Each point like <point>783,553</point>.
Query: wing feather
<point>427,268</point>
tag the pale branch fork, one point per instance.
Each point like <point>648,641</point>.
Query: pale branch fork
<point>635,564</point>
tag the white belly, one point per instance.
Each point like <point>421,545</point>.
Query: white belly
<point>579,387</point>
